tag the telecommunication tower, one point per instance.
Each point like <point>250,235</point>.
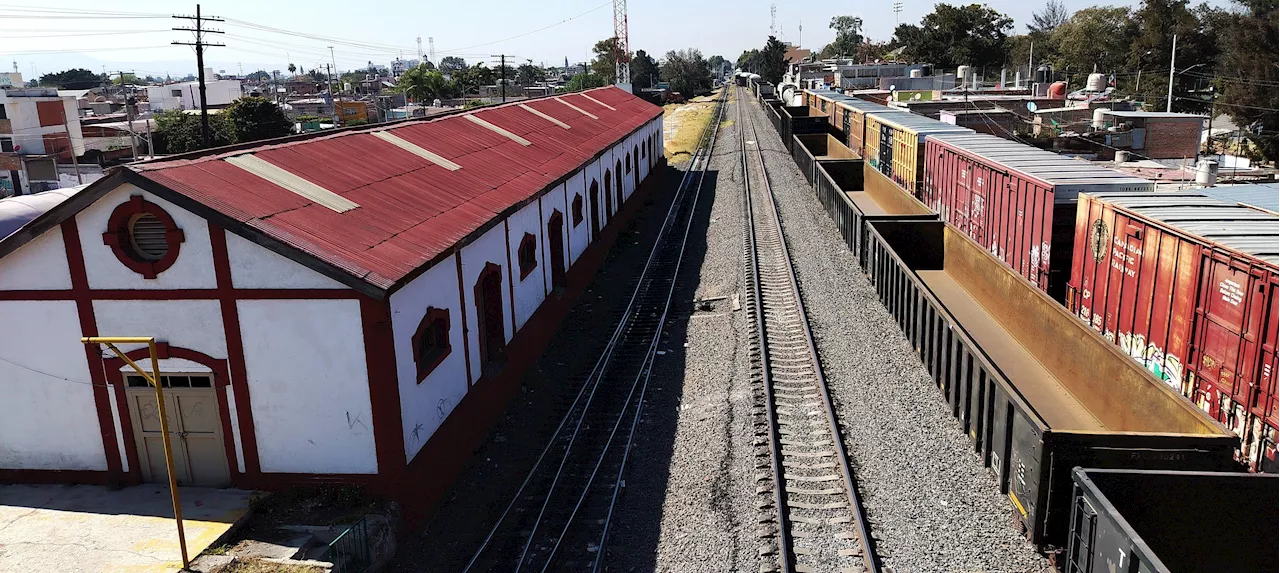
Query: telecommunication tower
<point>622,67</point>
<point>773,19</point>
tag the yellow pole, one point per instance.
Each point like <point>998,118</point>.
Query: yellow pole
<point>154,380</point>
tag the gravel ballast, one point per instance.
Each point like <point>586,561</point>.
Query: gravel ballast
<point>689,499</point>
<point>932,505</point>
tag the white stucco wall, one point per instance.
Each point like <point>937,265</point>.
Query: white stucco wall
<point>551,202</point>
<point>46,422</point>
<point>254,266</point>
<point>192,324</point>
<point>424,405</point>
<point>192,269</point>
<point>38,265</point>
<point>309,385</point>
<point>580,235</point>
<point>531,290</point>
<point>490,247</point>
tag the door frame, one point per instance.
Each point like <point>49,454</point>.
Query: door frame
<point>221,384</point>
<point>482,330</point>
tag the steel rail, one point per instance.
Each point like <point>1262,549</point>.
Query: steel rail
<point>870,557</point>
<point>577,407</point>
<point>775,442</point>
<point>647,370</point>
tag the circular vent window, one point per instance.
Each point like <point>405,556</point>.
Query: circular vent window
<point>143,237</point>
<point>146,237</point>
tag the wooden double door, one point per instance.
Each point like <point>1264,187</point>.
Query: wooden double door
<point>195,430</point>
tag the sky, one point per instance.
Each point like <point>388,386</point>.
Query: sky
<point>268,35</point>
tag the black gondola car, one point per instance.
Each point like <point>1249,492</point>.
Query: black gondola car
<point>1172,522</point>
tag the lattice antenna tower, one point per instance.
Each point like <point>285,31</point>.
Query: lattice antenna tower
<point>431,47</point>
<point>622,67</point>
<point>773,19</point>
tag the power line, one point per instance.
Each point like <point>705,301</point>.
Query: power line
<point>548,27</point>
<point>1228,104</point>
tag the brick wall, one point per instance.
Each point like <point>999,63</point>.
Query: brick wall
<point>1172,138</point>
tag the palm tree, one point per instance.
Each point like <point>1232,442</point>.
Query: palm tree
<point>421,84</point>
<point>292,69</point>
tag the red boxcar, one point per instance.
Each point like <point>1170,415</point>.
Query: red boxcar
<point>1007,196</point>
<point>1186,284</point>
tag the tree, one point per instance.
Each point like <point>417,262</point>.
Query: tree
<point>125,79</point>
<point>951,36</point>
<point>644,71</point>
<point>772,62</point>
<point>450,65</point>
<point>292,69</point>
<point>1047,20</point>
<point>749,61</point>
<point>1095,36</point>
<point>586,81</point>
<point>716,63</point>
<point>848,35</point>
<point>421,84</point>
<point>608,54</point>
<point>1249,75</point>
<point>179,132</point>
<point>470,79</point>
<point>256,118</point>
<point>528,74</point>
<point>1157,22</point>
<point>686,71</point>
<point>73,79</point>
<point>258,76</point>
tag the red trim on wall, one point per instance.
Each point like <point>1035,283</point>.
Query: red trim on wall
<point>384,387</point>
<point>89,327</point>
<point>239,374</point>
<point>462,302</point>
<point>511,284</point>
<point>221,378</point>
<point>181,294</point>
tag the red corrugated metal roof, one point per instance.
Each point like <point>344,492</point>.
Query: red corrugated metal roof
<point>410,209</point>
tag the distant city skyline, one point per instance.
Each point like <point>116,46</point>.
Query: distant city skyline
<point>81,33</point>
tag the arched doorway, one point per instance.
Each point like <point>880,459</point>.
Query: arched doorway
<point>489,317</point>
<point>608,195</point>
<point>555,244</point>
<point>595,209</point>
<point>617,174</point>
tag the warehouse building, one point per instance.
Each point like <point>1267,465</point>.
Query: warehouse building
<point>355,307</point>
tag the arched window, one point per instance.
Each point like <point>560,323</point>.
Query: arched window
<point>431,341</point>
<point>527,253</point>
<point>577,209</point>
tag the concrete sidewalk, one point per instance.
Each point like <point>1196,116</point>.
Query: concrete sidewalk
<point>93,529</point>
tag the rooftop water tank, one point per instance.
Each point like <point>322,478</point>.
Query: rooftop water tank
<point>1096,83</point>
<point>1100,117</point>
<point>1207,172</point>
<point>962,75</point>
<point>917,73</point>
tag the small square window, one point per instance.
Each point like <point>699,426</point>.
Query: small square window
<point>577,210</point>
<point>431,341</point>
<point>528,254</point>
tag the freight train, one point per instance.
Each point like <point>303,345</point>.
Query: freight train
<point>975,243</point>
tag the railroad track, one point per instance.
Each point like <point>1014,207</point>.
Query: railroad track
<point>814,501</point>
<point>559,518</point>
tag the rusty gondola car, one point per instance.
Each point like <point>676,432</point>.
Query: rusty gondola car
<point>1037,391</point>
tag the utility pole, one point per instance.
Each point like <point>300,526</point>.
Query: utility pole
<point>332,100</point>
<point>1173,57</point>
<point>200,45</point>
<point>1208,138</point>
<point>502,72</point>
<point>128,111</point>
<point>71,144</point>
